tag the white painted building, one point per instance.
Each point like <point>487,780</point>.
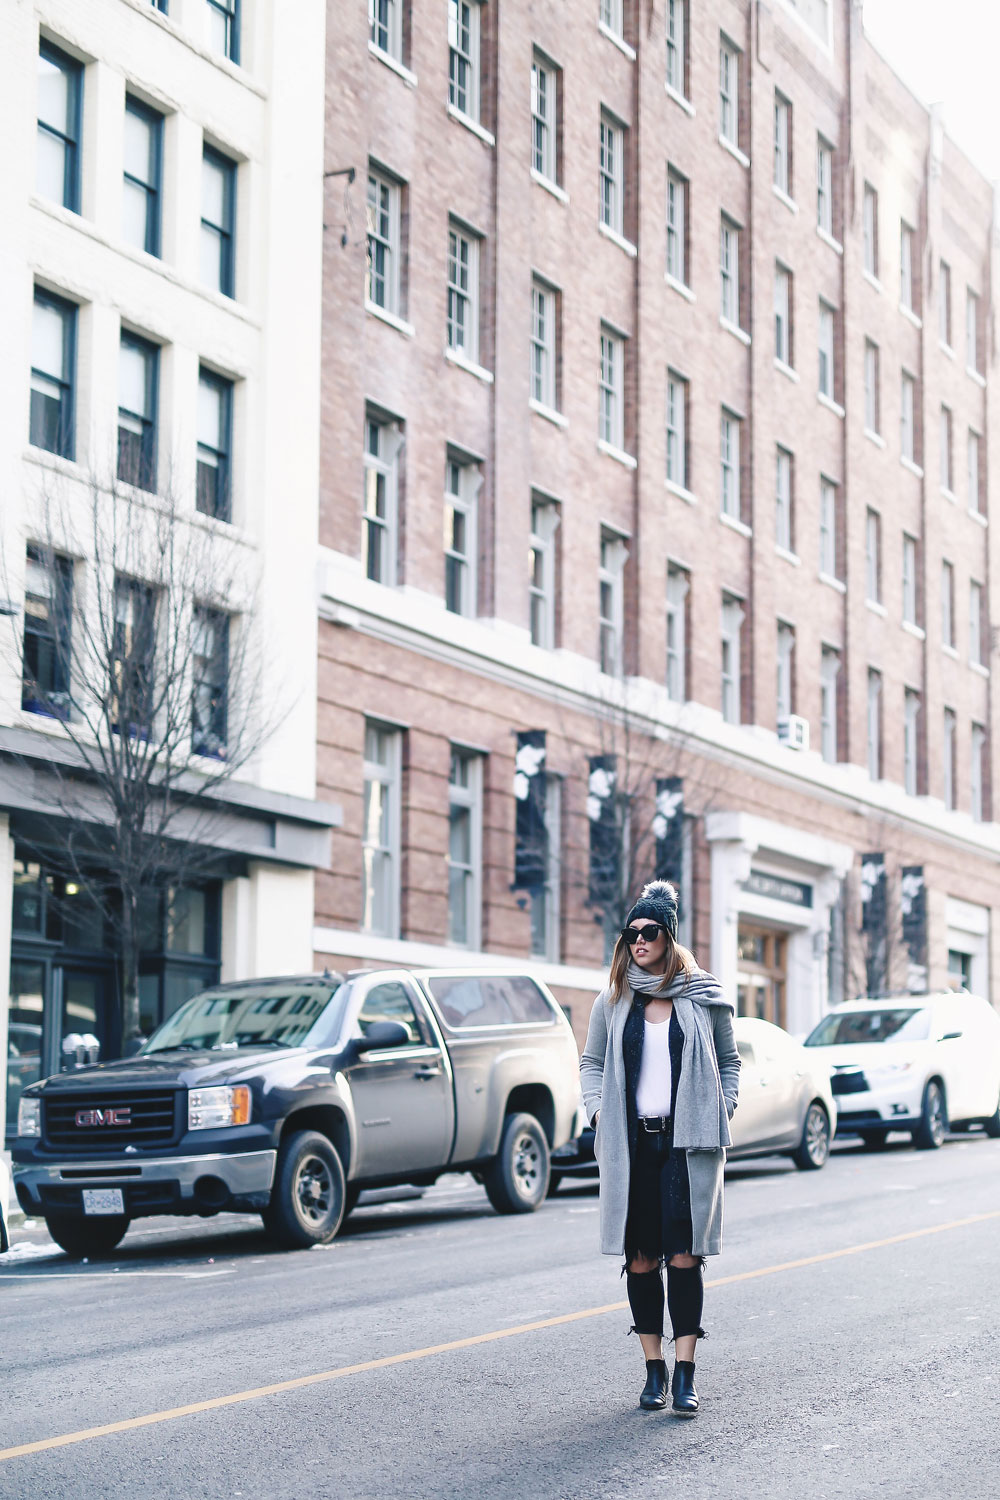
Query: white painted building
<point>160,266</point>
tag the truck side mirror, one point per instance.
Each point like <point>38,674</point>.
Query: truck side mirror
<point>382,1034</point>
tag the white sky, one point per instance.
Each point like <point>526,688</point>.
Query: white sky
<point>946,51</point>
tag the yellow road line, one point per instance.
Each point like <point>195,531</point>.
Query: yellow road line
<point>238,1397</point>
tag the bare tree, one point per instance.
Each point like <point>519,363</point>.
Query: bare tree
<point>147,658</point>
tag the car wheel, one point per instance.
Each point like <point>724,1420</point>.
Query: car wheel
<point>814,1148</point>
<point>84,1238</point>
<point>555,1178</point>
<point>309,1197</point>
<point>933,1127</point>
<point>874,1140</point>
<point>992,1123</point>
<point>517,1180</point>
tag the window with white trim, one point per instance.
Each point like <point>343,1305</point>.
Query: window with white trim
<point>944,303</point>
<point>872,401</point>
<point>906,284</point>
<point>911,741</point>
<point>828,679</point>
<point>544,118</point>
<point>910,579</point>
<point>380,830</point>
<point>828,528</point>
<point>677,46</point>
<point>60,115</point>
<point>385,21</point>
<point>729,271</point>
<point>907,403</point>
<point>611,14</point>
<point>824,185</point>
<point>732,624</point>
<point>948,758</point>
<point>785,672</point>
<point>782,144</point>
<point>874,724</point>
<point>729,465</point>
<point>611,598</point>
<point>948,605</point>
<point>783,315</point>
<point>464,31</point>
<point>543,344</point>
<point>223,26</point>
<point>677,216</point>
<point>380,525</point>
<point>729,84</point>
<point>973,472</point>
<point>976,623</point>
<point>382,268</point>
<point>873,556</point>
<point>465,841</point>
<point>971,330</point>
<point>869,230</point>
<point>827,346</point>
<point>677,455</point>
<point>542,574</point>
<point>545,898</point>
<point>678,589</point>
<point>463,292</point>
<point>977,774</point>
<point>612,173</point>
<point>611,414</point>
<point>783,527</point>
<point>947,473</point>
<point>463,481</point>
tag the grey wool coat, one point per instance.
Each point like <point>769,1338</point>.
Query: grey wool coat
<point>707,1094</point>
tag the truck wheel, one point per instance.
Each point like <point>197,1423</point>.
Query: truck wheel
<point>82,1238</point>
<point>518,1179</point>
<point>309,1196</point>
<point>813,1149</point>
<point>933,1127</point>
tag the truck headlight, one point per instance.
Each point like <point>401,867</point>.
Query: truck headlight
<point>208,1109</point>
<point>29,1117</point>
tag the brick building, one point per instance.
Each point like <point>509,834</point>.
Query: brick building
<point>658,411</point>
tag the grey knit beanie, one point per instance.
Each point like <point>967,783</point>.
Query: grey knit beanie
<point>658,903</point>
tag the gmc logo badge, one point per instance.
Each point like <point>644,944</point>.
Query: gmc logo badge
<point>88,1117</point>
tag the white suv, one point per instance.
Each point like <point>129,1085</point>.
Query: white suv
<point>916,1063</point>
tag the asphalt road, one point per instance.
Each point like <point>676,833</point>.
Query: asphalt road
<point>865,1369</point>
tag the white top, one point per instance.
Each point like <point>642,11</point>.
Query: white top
<point>652,1092</point>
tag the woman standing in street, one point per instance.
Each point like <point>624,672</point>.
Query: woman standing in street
<point>660,1076</point>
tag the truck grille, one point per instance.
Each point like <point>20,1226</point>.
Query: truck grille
<point>76,1122</point>
<point>849,1083</point>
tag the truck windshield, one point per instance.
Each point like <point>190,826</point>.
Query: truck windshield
<point>857,1026</point>
<point>273,1015</point>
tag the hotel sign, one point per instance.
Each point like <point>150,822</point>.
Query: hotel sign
<point>775,888</point>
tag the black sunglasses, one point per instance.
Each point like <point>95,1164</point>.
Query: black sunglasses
<point>649,933</point>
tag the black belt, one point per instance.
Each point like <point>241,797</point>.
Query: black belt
<point>655,1124</point>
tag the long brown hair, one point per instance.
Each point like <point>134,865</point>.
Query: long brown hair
<point>679,960</point>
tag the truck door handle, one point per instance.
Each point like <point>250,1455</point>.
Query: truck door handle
<point>427,1072</point>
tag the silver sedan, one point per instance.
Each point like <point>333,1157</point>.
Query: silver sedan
<point>786,1104</point>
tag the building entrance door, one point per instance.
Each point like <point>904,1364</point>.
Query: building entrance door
<point>762,976</point>
<point>83,995</point>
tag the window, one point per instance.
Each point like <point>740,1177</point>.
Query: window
<point>60,92</point>
<point>948,605</point>
<point>382,278</point>
<point>543,344</point>
<point>544,119</point>
<point>907,446</point>
<point>218,222</point>
<point>873,560</point>
<point>48,603</point>
<point>828,528</point>
<point>677,460</point>
<point>380,830</point>
<point>947,473</point>
<point>729,82</point>
<point>948,759</point>
<point>824,186</point>
<point>465,816</point>
<point>783,315</point>
<point>383,442</point>
<point>944,303</point>
<point>677,215</point>
<point>612,174</point>
<point>611,597</point>
<point>783,528</point>
<point>53,374</point>
<point>872,402</point>
<point>782,144</point>
<point>874,724</point>
<point>732,622</point>
<point>461,490</point>
<point>729,456</point>
<point>678,589</point>
<point>829,671</point>
<point>463,293</point>
<point>971,330</point>
<point>910,579</point>
<point>611,15</point>
<point>138,367</point>
<point>545,898</point>
<point>215,442</point>
<point>223,18</point>
<point>911,741</point>
<point>974,472</point>
<point>611,416</point>
<point>976,623</point>
<point>729,272</point>
<point>463,56</point>
<point>977,777</point>
<point>869,230</point>
<point>209,683</point>
<point>827,325</point>
<point>542,572</point>
<point>385,20</point>
<point>906,267</point>
<point>677,46</point>
<point>786,656</point>
<point>133,658</point>
<point>141,184</point>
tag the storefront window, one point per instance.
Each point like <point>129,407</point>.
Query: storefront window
<point>28,906</point>
<point>24,1033</point>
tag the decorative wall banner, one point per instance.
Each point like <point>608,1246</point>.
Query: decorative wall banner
<point>913,910</point>
<point>668,829</point>
<point>873,922</point>
<point>531,837</point>
<point>605,840</point>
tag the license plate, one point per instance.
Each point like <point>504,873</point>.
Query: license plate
<point>103,1201</point>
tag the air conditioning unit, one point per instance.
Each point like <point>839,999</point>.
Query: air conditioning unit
<point>794,732</point>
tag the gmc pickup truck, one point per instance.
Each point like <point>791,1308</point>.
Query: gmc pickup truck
<point>287,1097</point>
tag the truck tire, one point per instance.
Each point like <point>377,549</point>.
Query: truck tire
<point>517,1180</point>
<point>83,1238</point>
<point>933,1127</point>
<point>309,1196</point>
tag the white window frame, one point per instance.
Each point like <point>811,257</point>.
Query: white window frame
<point>827,346</point>
<point>678,588</point>
<point>869,230</point>
<point>976,622</point>
<point>611,15</point>
<point>385,463</point>
<point>827,527</point>
<point>611,391</point>
<point>782,143</point>
<point>730,438</point>
<point>729,91</point>
<point>785,656</point>
<point>829,672</point>
<point>910,579</point>
<point>463,481</point>
<point>973,469</point>
<point>783,528</point>
<point>948,756</point>
<point>731,701</point>
<point>543,344</point>
<point>467,798</point>
<point>463,292</point>
<point>872,402</point>
<point>782,314</point>
<point>545,519</point>
<point>464,44</point>
<point>911,741</point>
<point>977,746</point>
<point>393,27</point>
<point>874,724</point>
<point>611,602</point>
<point>947,604</point>
<point>972,330</point>
<point>729,271</point>
<point>906,240</point>
<point>873,561</point>
<point>544,118</point>
<point>383,228</point>
<point>611,174</point>
<point>944,303</point>
<point>824,186</point>
<point>677,404</point>
<point>907,408</point>
<point>388,773</point>
<point>946,437</point>
<point>677,197</point>
<point>546,899</point>
<point>676,29</point>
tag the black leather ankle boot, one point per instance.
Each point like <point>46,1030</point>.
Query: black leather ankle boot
<point>654,1392</point>
<point>682,1389</point>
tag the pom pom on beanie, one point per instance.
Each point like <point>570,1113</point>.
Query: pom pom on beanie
<point>657,903</point>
